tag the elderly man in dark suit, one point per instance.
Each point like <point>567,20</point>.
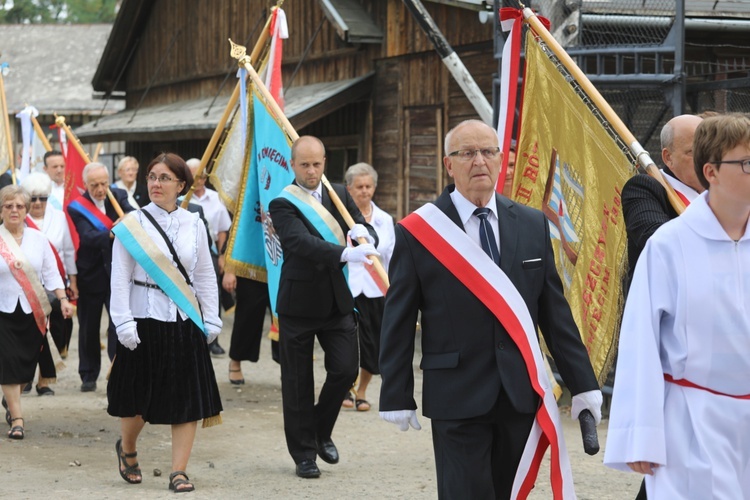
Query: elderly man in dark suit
<point>645,206</point>
<point>93,216</point>
<point>314,301</point>
<point>479,382</point>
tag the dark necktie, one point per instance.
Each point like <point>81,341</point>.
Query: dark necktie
<point>487,235</point>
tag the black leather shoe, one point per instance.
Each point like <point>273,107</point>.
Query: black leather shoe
<point>44,391</point>
<point>327,450</point>
<point>215,349</point>
<point>26,389</point>
<point>88,387</point>
<point>308,469</point>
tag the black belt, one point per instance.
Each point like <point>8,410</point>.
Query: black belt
<point>146,285</point>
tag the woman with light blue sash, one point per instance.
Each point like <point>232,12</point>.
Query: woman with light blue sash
<point>165,308</point>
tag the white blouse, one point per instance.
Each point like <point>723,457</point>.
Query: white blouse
<point>360,281</point>
<point>187,234</point>
<point>55,228</point>
<point>36,248</point>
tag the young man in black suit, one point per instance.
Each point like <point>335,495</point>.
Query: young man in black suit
<point>478,386</point>
<point>94,262</point>
<point>314,301</point>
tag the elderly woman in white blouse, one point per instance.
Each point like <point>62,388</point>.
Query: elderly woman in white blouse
<point>27,272</point>
<point>361,181</point>
<point>165,308</point>
<point>53,223</point>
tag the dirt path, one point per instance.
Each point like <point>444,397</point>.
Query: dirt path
<point>69,449</point>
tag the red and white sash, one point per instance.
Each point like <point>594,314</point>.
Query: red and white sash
<point>26,277</point>
<point>474,269</point>
<point>60,267</point>
<point>684,192</point>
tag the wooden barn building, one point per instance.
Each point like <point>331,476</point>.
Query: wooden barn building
<point>361,75</point>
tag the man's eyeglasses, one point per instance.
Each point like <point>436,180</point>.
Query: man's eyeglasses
<point>744,164</point>
<point>163,179</point>
<point>17,206</point>
<point>34,199</point>
<point>469,154</point>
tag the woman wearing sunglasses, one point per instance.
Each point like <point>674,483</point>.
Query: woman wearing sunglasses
<point>53,224</point>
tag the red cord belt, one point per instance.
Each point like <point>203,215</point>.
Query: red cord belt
<point>687,383</point>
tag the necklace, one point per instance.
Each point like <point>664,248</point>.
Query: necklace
<point>368,214</point>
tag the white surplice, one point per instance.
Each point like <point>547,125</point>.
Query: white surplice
<point>687,315</point>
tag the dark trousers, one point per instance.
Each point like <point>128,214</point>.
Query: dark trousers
<point>60,328</point>
<point>303,419</point>
<point>46,363</point>
<point>89,347</point>
<point>478,457</point>
<point>247,333</point>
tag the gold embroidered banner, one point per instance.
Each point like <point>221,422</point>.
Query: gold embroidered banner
<point>569,166</point>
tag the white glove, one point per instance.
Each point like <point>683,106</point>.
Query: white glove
<point>359,231</point>
<point>589,400</point>
<point>359,253</point>
<point>402,418</point>
<point>212,336</point>
<point>129,338</point>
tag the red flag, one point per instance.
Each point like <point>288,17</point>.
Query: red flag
<point>279,31</point>
<point>74,187</point>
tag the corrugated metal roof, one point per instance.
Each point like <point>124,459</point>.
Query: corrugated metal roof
<point>51,67</point>
<point>187,119</point>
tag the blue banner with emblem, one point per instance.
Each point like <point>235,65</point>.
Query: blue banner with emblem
<point>254,250</point>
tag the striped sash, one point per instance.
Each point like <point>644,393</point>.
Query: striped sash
<point>158,266</point>
<point>466,260</point>
<point>321,219</point>
<point>26,277</point>
<point>92,213</point>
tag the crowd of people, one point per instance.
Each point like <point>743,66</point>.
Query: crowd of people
<point>474,269</point>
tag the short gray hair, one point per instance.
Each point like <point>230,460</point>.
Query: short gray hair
<point>359,169</point>
<point>449,135</point>
<point>193,163</point>
<point>667,136</point>
<point>128,159</point>
<point>92,166</point>
<point>13,191</point>
<point>37,184</point>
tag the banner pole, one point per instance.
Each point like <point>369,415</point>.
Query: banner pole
<point>262,39</point>
<point>60,121</point>
<point>644,159</point>
<point>238,52</point>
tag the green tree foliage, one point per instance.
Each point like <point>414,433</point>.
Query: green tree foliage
<point>57,11</point>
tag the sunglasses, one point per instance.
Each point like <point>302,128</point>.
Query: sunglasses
<point>34,199</point>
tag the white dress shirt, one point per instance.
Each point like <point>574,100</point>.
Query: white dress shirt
<point>55,228</point>
<point>466,209</point>
<point>57,195</point>
<point>35,247</point>
<point>215,212</point>
<point>131,191</point>
<point>187,234</point>
<point>360,281</point>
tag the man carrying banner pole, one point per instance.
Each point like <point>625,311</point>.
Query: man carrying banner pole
<point>482,297</point>
<point>314,301</point>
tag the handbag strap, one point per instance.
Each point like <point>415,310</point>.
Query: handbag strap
<point>169,245</point>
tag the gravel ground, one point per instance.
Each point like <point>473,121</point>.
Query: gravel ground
<point>69,448</point>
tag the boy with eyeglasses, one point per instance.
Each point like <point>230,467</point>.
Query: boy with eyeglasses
<point>680,410</point>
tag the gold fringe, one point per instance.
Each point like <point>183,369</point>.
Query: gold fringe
<point>64,352</point>
<point>273,333</point>
<point>47,381</point>
<point>211,421</point>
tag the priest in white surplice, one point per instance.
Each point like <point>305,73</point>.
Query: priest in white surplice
<point>681,404</point>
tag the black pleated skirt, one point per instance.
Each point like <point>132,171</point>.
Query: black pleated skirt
<point>20,345</point>
<point>167,379</point>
